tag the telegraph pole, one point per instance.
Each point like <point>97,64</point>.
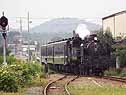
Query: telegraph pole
<point>21,36</point>
<point>3,24</point>
<point>20,25</point>
<point>28,41</point>
<point>20,31</point>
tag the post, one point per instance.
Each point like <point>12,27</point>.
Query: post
<point>3,25</point>
<point>4,48</point>
<point>46,68</point>
<point>40,53</point>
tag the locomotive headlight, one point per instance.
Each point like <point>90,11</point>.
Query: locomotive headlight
<point>95,38</point>
<point>81,44</point>
<point>95,43</point>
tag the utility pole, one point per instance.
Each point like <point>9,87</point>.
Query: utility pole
<point>20,25</point>
<point>21,36</point>
<point>28,41</point>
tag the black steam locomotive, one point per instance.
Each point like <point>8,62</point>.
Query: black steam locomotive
<point>77,56</point>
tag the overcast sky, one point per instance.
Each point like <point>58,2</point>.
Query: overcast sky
<point>89,9</point>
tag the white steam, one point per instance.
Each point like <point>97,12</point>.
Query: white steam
<point>82,30</point>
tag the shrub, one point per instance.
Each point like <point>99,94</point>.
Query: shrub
<point>8,82</point>
<point>123,73</point>
<point>111,72</point>
<point>33,69</point>
<point>17,75</point>
<point>120,52</point>
<point>116,72</point>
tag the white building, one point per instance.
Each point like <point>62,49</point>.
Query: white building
<point>32,49</point>
<point>116,24</point>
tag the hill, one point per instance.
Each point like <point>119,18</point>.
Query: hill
<point>61,28</point>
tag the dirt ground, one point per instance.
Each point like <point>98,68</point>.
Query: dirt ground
<point>39,90</point>
<point>57,88</point>
<point>80,81</point>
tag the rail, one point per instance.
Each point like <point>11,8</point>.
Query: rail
<point>47,86</point>
<point>120,79</point>
<point>65,86</point>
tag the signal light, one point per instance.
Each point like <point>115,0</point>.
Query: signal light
<point>3,22</point>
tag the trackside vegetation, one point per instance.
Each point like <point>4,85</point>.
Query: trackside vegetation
<point>120,53</point>
<point>118,48</point>
<point>121,72</point>
<point>19,74</point>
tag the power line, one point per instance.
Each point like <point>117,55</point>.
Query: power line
<point>53,18</point>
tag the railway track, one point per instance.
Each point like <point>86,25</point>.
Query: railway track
<point>59,86</point>
<point>119,79</point>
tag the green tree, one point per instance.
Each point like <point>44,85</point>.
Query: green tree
<point>100,35</point>
<point>108,37</point>
<point>105,37</point>
<point>121,54</point>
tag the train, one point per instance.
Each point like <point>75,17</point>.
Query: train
<point>76,56</point>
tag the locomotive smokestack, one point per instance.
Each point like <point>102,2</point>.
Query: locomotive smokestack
<point>74,34</point>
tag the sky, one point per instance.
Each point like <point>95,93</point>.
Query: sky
<point>43,10</point>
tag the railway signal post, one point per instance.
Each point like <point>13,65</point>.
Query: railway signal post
<point>3,25</point>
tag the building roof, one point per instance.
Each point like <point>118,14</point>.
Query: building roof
<point>115,14</point>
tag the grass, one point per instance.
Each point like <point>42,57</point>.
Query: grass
<point>3,93</point>
<point>35,83</point>
<point>39,82</point>
<point>116,72</point>
<point>12,93</point>
<point>95,90</point>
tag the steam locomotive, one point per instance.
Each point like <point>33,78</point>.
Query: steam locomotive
<point>76,56</point>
